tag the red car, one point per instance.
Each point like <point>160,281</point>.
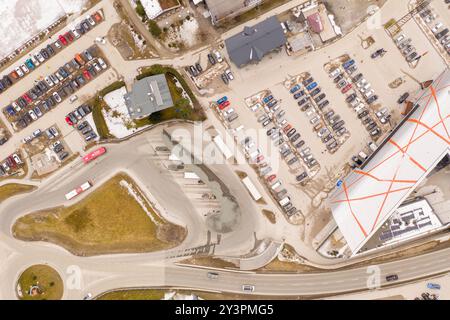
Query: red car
<point>224,104</point>
<point>272,177</point>
<point>63,40</point>
<point>97,17</point>
<point>346,88</point>
<point>27,98</point>
<point>87,75</point>
<point>69,122</point>
<point>287,128</point>
<point>69,36</point>
<point>259,159</point>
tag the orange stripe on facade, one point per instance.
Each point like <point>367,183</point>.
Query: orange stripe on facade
<point>351,211</point>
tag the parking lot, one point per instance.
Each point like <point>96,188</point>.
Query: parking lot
<point>277,73</point>
<point>13,166</point>
<point>55,87</point>
<point>40,57</point>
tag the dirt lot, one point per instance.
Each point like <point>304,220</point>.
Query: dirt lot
<point>130,44</point>
<point>110,220</point>
<point>350,13</point>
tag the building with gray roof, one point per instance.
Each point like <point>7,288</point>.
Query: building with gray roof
<point>253,43</point>
<point>147,96</point>
<point>220,9</point>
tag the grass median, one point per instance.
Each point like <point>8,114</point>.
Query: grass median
<point>13,189</point>
<point>115,218</point>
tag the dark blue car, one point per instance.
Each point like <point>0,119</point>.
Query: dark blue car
<point>347,64</point>
<point>295,88</point>
<point>311,86</point>
<point>10,110</point>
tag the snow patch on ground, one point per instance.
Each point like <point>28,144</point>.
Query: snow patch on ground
<point>188,32</point>
<point>117,117</point>
<point>21,20</point>
<point>138,198</point>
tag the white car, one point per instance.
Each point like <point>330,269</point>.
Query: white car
<point>218,56</point>
<point>24,68</point>
<point>310,112</point>
<point>16,106</point>
<point>56,43</point>
<point>40,57</point>
<point>229,111</point>
<point>35,61</point>
<point>399,39</point>
<point>32,115</point>
<point>19,72</point>
<point>373,146</point>
<point>437,27</point>
<point>27,139</point>
<point>17,158</point>
<point>359,107</point>
<point>361,83</point>
<point>315,120</point>
<point>335,73</point>
<point>75,33</point>
<point>49,81</point>
<point>97,67</point>
<point>255,107</point>
<point>229,74</point>
<point>5,166</point>
<point>53,131</point>
<point>100,40</point>
<point>102,63</point>
<point>59,76</point>
<point>57,97</point>
<point>90,20</point>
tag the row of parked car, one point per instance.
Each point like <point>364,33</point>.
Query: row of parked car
<point>36,59</point>
<point>359,105</point>
<point>227,111</point>
<point>440,31</point>
<point>69,78</point>
<point>327,128</point>
<point>75,118</point>
<point>10,163</point>
<point>280,134</point>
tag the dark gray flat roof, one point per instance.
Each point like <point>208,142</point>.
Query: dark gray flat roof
<point>253,43</point>
<point>148,95</point>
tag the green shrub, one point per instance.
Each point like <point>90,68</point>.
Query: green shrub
<point>154,29</point>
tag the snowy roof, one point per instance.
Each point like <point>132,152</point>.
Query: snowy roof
<point>148,95</point>
<point>152,8</point>
<point>369,196</point>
